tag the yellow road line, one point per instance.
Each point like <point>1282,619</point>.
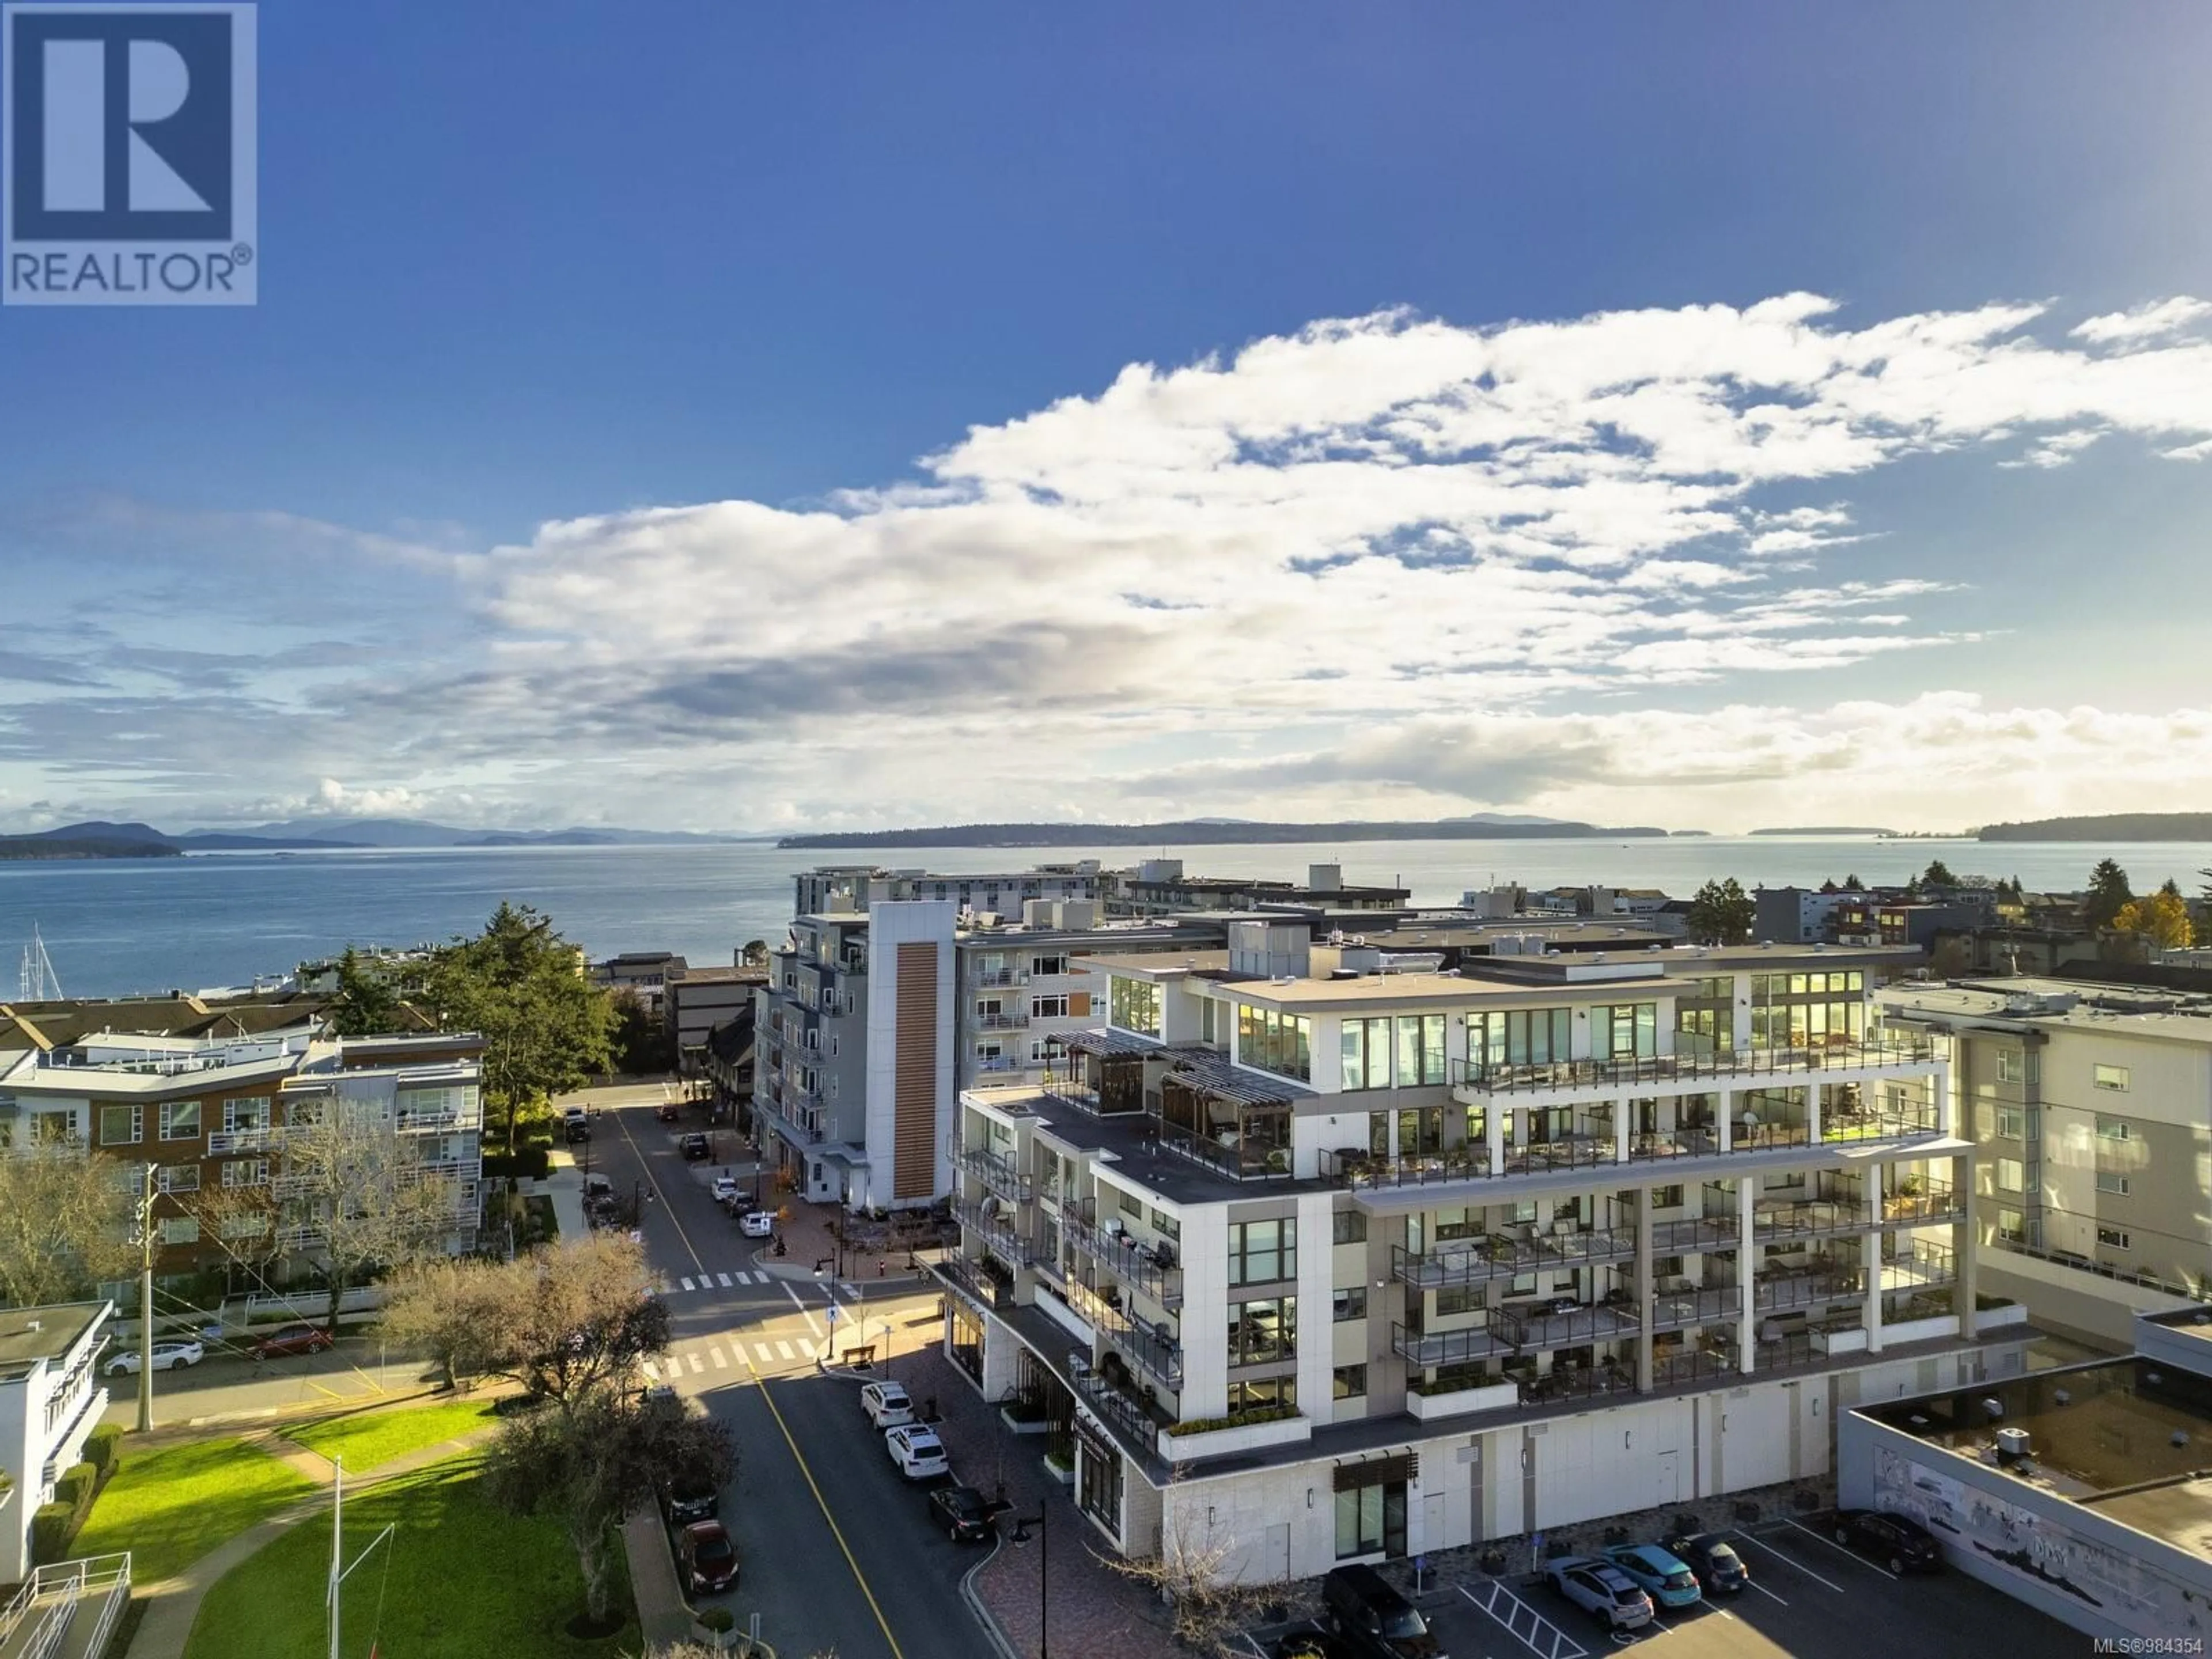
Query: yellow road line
<point>821,1503</point>
<point>666,1208</point>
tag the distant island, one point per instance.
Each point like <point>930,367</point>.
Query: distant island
<point>101,840</point>
<point>1208,832</point>
<point>1826,830</point>
<point>2111,826</point>
<point>74,844</point>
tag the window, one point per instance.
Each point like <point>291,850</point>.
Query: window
<point>1454,1299</point>
<point>1348,1302</point>
<point>1261,1252</point>
<point>2011,1123</point>
<point>1261,1393</point>
<point>1263,1332</point>
<point>2012,1065</point>
<point>1134,1005</point>
<point>2115,1184</point>
<point>1370,1518</point>
<point>180,1230</point>
<point>2012,1175</point>
<point>1049,966</point>
<point>1273,1041</point>
<point>1165,1224</point>
<point>2011,1227</point>
<point>2114,1238</point>
<point>1132,1205</point>
<point>1365,1049</point>
<point>1520,1036</point>
<point>2114,1128</point>
<point>122,1126</point>
<point>1626,1031</point>
<point>1420,1049</point>
<point>1348,1227</point>
<point>177,1178</point>
<point>1054,1007</point>
<point>1667,1198</point>
<point>1348,1382</point>
<point>246,1172</point>
<point>2111,1077</point>
<point>180,1119</point>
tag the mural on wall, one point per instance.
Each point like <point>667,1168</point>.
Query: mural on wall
<point>2121,1588</point>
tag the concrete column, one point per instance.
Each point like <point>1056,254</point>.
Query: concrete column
<point>1493,1130</point>
<point>1643,1290</point>
<point>1964,1244</point>
<point>1816,1096</point>
<point>1390,1133</point>
<point>1621,1110</point>
<point>1747,1346</point>
<point>1874,1290</point>
<point>1727,1109</point>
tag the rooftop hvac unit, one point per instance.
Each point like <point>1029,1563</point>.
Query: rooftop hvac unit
<point>2012,1442</point>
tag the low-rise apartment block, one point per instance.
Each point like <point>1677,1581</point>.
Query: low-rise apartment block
<point>51,1397</point>
<point>1313,1263</point>
<point>2092,1108</point>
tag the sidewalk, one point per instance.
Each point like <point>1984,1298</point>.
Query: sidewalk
<point>663,1615</point>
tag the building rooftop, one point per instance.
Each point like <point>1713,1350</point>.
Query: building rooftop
<point>28,1335</point>
<point>2026,1003</point>
<point>2130,1438</point>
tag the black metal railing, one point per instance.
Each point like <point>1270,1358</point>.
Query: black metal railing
<point>1924,1264</point>
<point>1577,1382</point>
<point>1429,1349</point>
<point>1674,1311</point>
<point>1565,1327</point>
<point>957,1273</point>
<point>1934,1201</point>
<point>994,1227</point>
<point>1487,1077</point>
<point>1145,1267</point>
<point>1671,1371</point>
<point>1692,1235</point>
<point>995,1170</point>
<point>1772,1292</point>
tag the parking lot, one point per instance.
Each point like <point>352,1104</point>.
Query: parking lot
<point>1808,1599</point>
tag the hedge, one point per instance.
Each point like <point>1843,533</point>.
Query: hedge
<point>531,1164</point>
<point>102,1447</point>
<point>54,1525</point>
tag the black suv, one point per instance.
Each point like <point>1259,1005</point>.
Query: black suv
<point>1374,1619</point>
<point>689,1496</point>
<point>1900,1544</point>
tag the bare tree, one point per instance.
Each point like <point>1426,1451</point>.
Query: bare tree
<point>65,1222</point>
<point>455,1308</point>
<point>1209,1608</point>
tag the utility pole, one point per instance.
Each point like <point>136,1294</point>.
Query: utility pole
<point>146,1298</point>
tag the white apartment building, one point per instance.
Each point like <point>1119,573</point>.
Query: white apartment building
<point>842,889</point>
<point>50,1396</point>
<point>1320,1264</point>
<point>2091,1106</point>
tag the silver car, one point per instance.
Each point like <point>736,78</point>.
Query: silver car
<point>1602,1591</point>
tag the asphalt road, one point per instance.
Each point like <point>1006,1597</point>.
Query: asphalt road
<point>838,1550</point>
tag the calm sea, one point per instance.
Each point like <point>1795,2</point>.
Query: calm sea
<point>117,926</point>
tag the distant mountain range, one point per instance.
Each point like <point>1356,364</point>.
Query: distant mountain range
<point>1482,826</point>
<point>1827,829</point>
<point>101,840</point>
<point>2111,826</point>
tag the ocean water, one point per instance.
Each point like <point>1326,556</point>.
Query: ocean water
<point>115,927</point>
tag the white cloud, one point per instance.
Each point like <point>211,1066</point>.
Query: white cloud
<point>2058,450</point>
<point>2146,322</point>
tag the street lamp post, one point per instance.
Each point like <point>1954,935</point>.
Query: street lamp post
<point>1022,1525</point>
<point>884,1326</point>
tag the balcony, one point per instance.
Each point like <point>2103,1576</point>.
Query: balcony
<point>1148,1269</point>
<point>1707,1364</point>
<point>995,1170</point>
<point>1577,1382</point>
<point>992,1227</point>
<point>1694,1235</point>
<point>1429,1349</point>
<point>1465,1261</point>
<point>1836,1205</point>
<point>1001,1022</point>
<point>988,978</point>
<point>1663,1073</point>
<point>1925,1265</point>
<point>1675,1310</point>
<point>1931,1202</point>
<point>1138,1422</point>
<point>225,1142</point>
<point>967,1280</point>
<point>1564,1323</point>
<point>1149,1348</point>
<point>1806,1287</point>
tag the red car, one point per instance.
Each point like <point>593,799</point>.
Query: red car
<point>291,1340</point>
<point>708,1557</point>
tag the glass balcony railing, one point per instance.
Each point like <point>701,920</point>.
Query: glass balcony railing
<point>1674,1311</point>
<point>1484,1077</point>
<point>1149,1269</point>
<point>1429,1349</point>
<point>995,1170</point>
<point>993,1226</point>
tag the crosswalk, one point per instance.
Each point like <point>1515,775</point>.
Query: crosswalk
<point>731,1352</point>
<point>718,1281</point>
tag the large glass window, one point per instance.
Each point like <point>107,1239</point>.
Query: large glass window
<point>1371,1519</point>
<point>180,1119</point>
<point>1367,1055</point>
<point>1274,1042</point>
<point>121,1126</point>
<point>1628,1030</point>
<point>1420,1049</point>
<point>1260,1394</point>
<point>1135,1005</point>
<point>1520,1036</point>
<point>1262,1252</point>
<point>1263,1332</point>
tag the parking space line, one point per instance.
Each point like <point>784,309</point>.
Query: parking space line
<point>724,1278</point>
<point>1519,1613</point>
<point>1848,1555</point>
<point>1789,1560</point>
<point>1766,1592</point>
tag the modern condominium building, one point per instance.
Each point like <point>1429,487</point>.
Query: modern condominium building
<point>2091,1106</point>
<point>1312,1264</point>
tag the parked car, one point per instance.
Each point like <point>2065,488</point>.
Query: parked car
<point>1900,1544</point>
<point>666,1111</point>
<point>965,1513</point>
<point>290,1340</point>
<point>757,1223</point>
<point>707,1558</point>
<point>598,1188</point>
<point>689,1496</point>
<point>1665,1579</point>
<point>168,1355</point>
<point>576,1124</point>
<point>918,1452</point>
<point>1373,1619</point>
<point>695,1147</point>
<point>1601,1590</point>
<point>1720,1570</point>
<point>887,1404</point>
<point>725,1188</point>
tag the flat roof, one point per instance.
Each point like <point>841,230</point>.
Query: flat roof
<point>61,1327</point>
<point>2029,1004</point>
<point>2130,1438</point>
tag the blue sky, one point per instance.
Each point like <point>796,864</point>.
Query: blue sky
<point>572,466</point>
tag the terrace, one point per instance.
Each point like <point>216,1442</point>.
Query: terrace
<point>996,1170</point>
<point>1737,1066</point>
<point>1147,1268</point>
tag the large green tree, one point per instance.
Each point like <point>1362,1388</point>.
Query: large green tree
<point>1722,913</point>
<point>1938,874</point>
<point>521,985</point>
<point>2109,894</point>
<point>365,1003</point>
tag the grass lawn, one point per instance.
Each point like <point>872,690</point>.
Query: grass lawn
<point>368,1439</point>
<point>466,1579</point>
<point>170,1507</point>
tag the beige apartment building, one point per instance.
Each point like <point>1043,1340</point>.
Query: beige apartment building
<point>2091,1106</point>
<point>1309,1262</point>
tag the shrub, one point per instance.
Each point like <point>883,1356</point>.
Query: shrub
<point>76,1484</point>
<point>1235,1419</point>
<point>103,1447</point>
<point>532,1162</point>
<point>52,1531</point>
